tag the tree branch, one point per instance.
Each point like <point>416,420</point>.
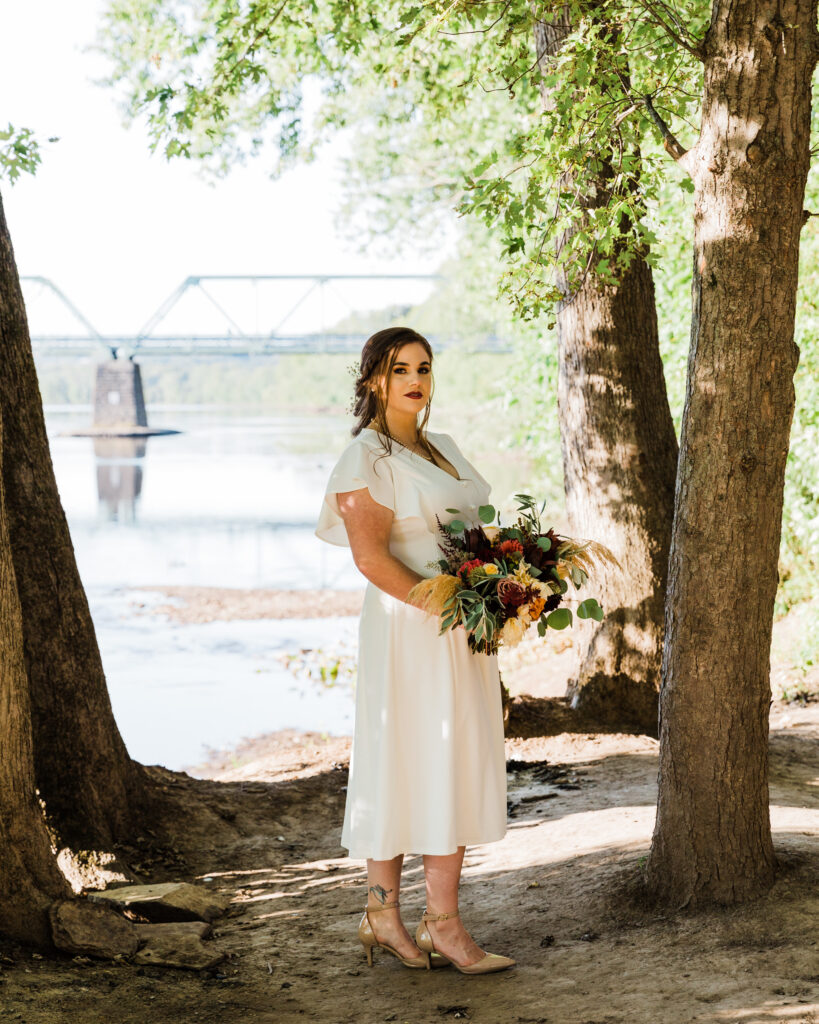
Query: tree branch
<point>694,49</point>
<point>670,141</point>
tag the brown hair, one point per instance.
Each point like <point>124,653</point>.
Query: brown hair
<point>378,357</point>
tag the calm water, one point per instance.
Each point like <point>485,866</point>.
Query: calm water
<point>231,501</point>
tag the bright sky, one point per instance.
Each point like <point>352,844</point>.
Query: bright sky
<point>117,228</point>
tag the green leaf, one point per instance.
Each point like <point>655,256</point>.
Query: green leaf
<point>455,510</point>
<point>410,14</point>
<point>457,525</point>
<point>544,543</point>
<point>560,618</point>
<point>590,609</point>
<point>486,513</point>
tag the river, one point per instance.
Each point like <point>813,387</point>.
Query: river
<point>231,501</point>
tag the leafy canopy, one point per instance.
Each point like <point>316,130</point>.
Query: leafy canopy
<point>444,101</point>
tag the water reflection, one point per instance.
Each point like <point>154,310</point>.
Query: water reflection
<point>119,476</point>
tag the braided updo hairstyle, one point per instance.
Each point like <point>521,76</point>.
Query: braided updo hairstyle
<point>378,358</point>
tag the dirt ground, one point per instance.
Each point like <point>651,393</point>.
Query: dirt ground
<point>560,893</point>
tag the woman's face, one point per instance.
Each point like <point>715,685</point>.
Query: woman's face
<point>410,383</point>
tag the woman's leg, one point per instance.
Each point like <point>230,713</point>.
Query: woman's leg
<point>383,885</point>
<point>443,877</point>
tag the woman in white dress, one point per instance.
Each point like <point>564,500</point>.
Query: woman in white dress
<point>427,769</point>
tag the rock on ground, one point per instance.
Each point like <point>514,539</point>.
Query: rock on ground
<point>79,926</point>
<point>168,901</point>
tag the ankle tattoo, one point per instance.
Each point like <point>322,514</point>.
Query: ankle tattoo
<point>380,892</point>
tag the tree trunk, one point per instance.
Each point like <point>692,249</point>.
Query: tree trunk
<point>88,782</point>
<point>619,462</point>
<point>712,838</point>
<point>29,877</point>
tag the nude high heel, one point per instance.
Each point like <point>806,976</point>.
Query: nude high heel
<point>369,941</point>
<point>489,963</point>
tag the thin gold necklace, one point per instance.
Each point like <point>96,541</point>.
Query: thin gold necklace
<point>420,440</point>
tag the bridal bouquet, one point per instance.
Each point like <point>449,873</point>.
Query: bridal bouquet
<point>496,581</point>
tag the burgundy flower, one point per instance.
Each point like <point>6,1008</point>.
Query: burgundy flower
<point>476,541</point>
<point>536,556</point>
<point>510,593</point>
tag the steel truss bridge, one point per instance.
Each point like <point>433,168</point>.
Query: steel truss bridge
<point>306,295</point>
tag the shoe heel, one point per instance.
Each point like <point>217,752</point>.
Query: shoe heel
<point>369,951</point>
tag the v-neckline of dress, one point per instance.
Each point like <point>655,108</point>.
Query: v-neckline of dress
<point>459,479</point>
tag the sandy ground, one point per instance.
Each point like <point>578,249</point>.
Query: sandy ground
<point>560,893</point>
<point>207,604</point>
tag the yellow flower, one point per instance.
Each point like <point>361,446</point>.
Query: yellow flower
<point>490,568</point>
<point>491,532</point>
<point>512,632</point>
<point>521,574</point>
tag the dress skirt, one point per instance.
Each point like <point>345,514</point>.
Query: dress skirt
<point>427,769</point>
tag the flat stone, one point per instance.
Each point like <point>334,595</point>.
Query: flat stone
<point>176,944</point>
<point>165,901</point>
<point>79,926</point>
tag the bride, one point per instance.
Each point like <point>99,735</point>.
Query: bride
<point>427,769</point>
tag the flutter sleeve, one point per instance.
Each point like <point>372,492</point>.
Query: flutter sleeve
<point>358,466</point>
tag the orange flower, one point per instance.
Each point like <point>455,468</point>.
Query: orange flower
<point>536,606</point>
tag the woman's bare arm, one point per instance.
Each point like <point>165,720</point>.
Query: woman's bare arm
<point>368,525</point>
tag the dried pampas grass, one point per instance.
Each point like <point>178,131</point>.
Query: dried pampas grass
<point>432,595</point>
<point>584,555</point>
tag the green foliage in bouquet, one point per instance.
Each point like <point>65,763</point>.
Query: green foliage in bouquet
<point>495,581</point>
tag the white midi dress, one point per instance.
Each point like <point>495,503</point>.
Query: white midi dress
<point>427,768</point>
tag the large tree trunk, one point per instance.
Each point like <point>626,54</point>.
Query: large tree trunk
<point>29,877</point>
<point>619,463</point>
<point>90,786</point>
<point>712,839</point>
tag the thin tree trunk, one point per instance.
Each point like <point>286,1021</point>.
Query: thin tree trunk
<point>89,784</point>
<point>619,462</point>
<point>29,877</point>
<point>712,838</point>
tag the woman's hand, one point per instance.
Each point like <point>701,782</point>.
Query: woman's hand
<point>368,524</point>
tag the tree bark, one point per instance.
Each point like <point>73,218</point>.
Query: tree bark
<point>90,786</point>
<point>712,838</point>
<point>619,462</point>
<point>29,877</point>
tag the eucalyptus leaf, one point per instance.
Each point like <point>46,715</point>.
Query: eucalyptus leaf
<point>589,609</point>
<point>560,618</point>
